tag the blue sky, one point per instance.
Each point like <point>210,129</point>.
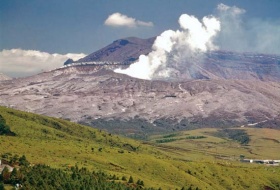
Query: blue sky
<point>63,26</point>
<point>39,35</point>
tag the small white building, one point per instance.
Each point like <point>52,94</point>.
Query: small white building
<point>258,161</point>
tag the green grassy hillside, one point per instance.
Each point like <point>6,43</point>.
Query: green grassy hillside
<point>61,144</point>
<point>229,144</point>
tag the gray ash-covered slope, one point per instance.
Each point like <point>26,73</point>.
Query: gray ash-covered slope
<point>122,51</point>
<point>246,66</point>
<point>119,103</point>
<point>229,65</point>
<point>4,77</point>
<point>226,89</point>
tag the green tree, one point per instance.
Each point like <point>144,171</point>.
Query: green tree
<point>6,175</point>
<point>23,161</point>
<point>14,159</point>
<point>4,128</point>
<point>140,182</point>
<point>124,178</point>
<point>1,186</point>
<point>14,177</point>
<point>130,180</point>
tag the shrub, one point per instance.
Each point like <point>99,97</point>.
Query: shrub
<point>130,180</point>
<point>4,128</point>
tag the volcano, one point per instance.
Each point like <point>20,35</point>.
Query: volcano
<point>225,89</point>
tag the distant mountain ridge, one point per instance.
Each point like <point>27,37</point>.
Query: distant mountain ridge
<point>214,64</point>
<point>223,89</point>
<point>125,50</point>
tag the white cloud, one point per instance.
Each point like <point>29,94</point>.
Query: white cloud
<point>18,62</point>
<point>118,19</point>
<point>230,10</point>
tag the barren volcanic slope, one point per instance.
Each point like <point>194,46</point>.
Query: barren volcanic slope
<point>122,51</point>
<point>230,90</point>
<point>4,77</point>
<point>211,65</point>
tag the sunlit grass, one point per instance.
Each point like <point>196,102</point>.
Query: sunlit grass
<point>184,162</point>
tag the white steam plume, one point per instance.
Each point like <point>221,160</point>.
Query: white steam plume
<point>176,53</point>
<point>247,35</point>
<point>172,49</point>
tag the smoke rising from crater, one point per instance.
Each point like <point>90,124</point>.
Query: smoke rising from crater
<point>172,48</point>
<point>176,53</point>
<point>247,35</point>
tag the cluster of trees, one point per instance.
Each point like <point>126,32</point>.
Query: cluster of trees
<point>195,137</point>
<point>15,160</point>
<point>44,177</point>
<point>16,176</point>
<point>4,128</point>
<point>238,135</point>
<point>166,140</point>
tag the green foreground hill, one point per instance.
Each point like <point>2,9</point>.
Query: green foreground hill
<point>63,144</point>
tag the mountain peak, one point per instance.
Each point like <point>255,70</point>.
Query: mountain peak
<point>126,51</point>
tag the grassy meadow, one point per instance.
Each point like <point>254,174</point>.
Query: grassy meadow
<point>196,159</point>
<point>264,144</point>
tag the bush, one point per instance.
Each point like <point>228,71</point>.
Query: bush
<point>130,180</point>
<point>4,128</point>
<point>23,161</point>
<point>238,135</point>
<point>1,186</point>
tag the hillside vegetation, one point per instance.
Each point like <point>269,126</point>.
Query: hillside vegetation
<point>62,145</point>
<point>4,128</point>
<point>227,144</point>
